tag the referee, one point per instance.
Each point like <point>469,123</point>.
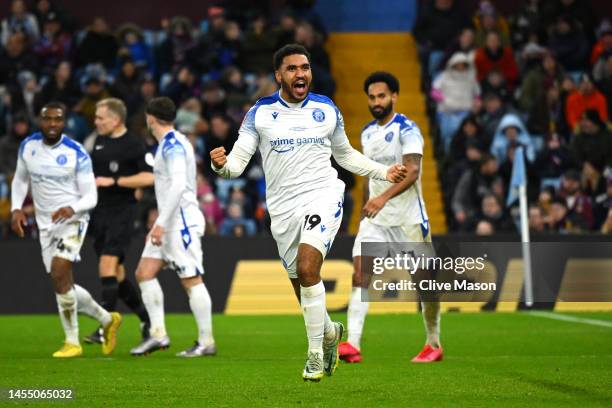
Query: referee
<point>120,167</point>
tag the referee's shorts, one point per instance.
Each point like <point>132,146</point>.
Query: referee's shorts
<point>111,229</point>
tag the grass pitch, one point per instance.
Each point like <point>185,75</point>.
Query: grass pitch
<point>491,359</point>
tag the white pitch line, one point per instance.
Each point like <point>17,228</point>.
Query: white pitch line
<point>566,318</point>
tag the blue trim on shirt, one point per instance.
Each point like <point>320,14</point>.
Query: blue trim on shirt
<point>32,137</point>
<point>82,157</point>
<point>171,145</point>
<point>368,125</point>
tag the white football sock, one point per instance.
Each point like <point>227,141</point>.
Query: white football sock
<point>153,299</point>
<point>313,308</point>
<point>201,306</point>
<point>67,306</point>
<point>89,307</point>
<point>329,331</point>
<point>431,318</point>
<point>357,311</point>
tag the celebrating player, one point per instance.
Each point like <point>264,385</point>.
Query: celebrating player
<point>394,213</point>
<point>120,167</point>
<point>64,190</point>
<point>175,239</point>
<point>296,132</point>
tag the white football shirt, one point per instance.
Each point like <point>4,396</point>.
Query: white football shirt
<point>296,141</point>
<point>175,184</point>
<point>387,144</point>
<point>60,176</point>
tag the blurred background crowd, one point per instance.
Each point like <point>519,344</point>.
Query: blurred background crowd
<point>540,78</point>
<point>214,70</point>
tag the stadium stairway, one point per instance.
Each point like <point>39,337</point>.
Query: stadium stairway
<point>353,57</point>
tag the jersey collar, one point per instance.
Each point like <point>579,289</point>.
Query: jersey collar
<point>292,105</point>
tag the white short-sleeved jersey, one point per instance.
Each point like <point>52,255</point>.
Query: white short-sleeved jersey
<point>59,175</point>
<point>387,144</point>
<point>175,185</point>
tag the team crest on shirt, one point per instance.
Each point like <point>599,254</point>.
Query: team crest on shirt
<point>318,115</point>
<point>389,137</point>
<point>61,159</point>
<point>113,166</point>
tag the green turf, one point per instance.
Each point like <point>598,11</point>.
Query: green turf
<point>491,359</point>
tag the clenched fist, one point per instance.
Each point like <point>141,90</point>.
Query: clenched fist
<point>396,173</point>
<point>218,157</point>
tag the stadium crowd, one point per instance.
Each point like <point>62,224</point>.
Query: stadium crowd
<point>540,78</point>
<point>214,70</point>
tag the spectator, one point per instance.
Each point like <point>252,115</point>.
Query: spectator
<point>569,45</point>
<point>606,227</point>
<point>593,141</point>
<point>133,47</point>
<point>285,32</point>
<point>495,56</point>
<point>20,22</point>
<point>511,131</point>
<point>9,144</point>
<point>471,188</point>
<point>492,114</point>
<point>322,81</point>
<point>465,43</point>
<point>580,11</point>
<point>26,96</point>
<point>594,185</point>
<point>469,135</point>
<point>493,212</point>
<point>209,204</point>
<point>580,211</point>
<point>602,74</point>
<point>534,99</point>
<point>223,133</point>
<point>95,91</point>
<point>496,83</point>
<point>16,57</point>
<point>214,100</point>
<point>603,46</point>
<point>54,45</point>
<point>456,91</point>
<point>488,19</point>
<point>174,49</point>
<point>235,88</point>
<point>554,160</point>
<point>586,97</point>
<point>184,85</point>
<point>484,228</point>
<point>258,46</point>
<point>137,122</point>
<point>60,87</point>
<point>558,220</point>
<point>536,220</point>
<point>127,83</point>
<point>99,46</point>
<point>236,224</point>
<point>533,18</point>
<point>437,22</point>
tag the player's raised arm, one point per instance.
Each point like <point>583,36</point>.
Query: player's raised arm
<point>232,165</point>
<point>357,163</point>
